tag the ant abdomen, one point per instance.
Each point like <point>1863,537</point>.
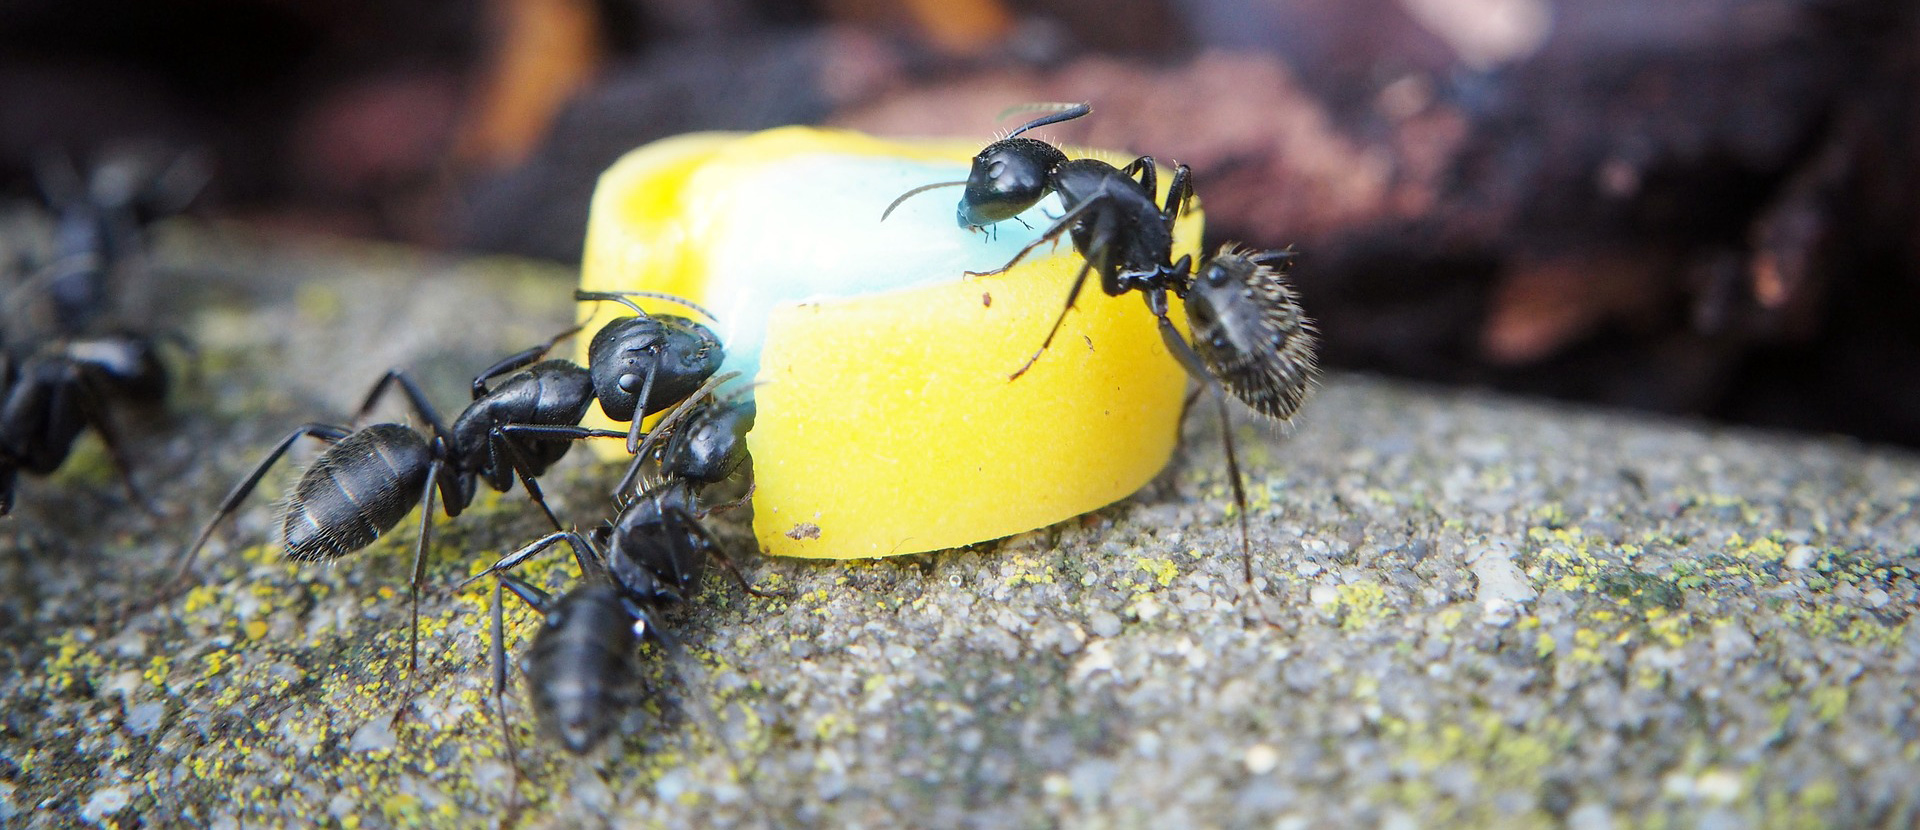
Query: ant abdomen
<point>357,490</point>
<point>1249,329</point>
<point>583,668</point>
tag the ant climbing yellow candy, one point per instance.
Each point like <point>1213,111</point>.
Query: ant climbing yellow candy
<point>886,421</point>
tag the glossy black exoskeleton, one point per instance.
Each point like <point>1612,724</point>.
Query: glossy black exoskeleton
<point>583,660</point>
<point>712,444</point>
<point>701,441</point>
<point>1249,334</point>
<point>1111,216</point>
<point>584,667</point>
<point>368,479</point>
<point>658,359</point>
<point>655,551</point>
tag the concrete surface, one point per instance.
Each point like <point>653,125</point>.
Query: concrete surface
<point>1471,611</point>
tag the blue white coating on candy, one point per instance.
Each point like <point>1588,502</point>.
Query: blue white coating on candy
<point>810,230</point>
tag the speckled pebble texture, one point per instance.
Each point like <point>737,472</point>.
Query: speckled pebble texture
<point>1468,611</point>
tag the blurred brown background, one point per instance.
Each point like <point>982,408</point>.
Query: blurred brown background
<point>1689,206</point>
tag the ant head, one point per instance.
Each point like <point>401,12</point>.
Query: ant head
<point>663,356</point>
<point>1008,177</point>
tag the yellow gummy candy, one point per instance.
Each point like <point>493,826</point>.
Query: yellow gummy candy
<point>887,422</point>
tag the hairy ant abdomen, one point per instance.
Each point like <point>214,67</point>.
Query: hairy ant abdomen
<point>357,490</point>
<point>1247,326</point>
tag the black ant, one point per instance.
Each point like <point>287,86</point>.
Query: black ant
<point>583,668</point>
<point>1111,216</point>
<point>49,395</point>
<point>1249,332</point>
<point>705,441</point>
<point>54,389</point>
<point>659,358</point>
<point>656,549</point>
<point>656,358</point>
<point>712,444</point>
<point>652,555</point>
<point>370,478</point>
<point>366,481</point>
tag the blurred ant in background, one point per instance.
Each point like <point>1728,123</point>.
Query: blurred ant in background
<point>65,359</point>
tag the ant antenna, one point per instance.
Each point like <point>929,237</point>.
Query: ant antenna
<point>914,192</point>
<point>623,298</point>
<point>1060,112</point>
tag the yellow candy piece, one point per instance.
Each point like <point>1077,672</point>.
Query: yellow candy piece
<point>887,423</point>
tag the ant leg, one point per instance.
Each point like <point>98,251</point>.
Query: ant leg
<point>1143,167</point>
<point>415,395</point>
<point>517,360</point>
<point>1182,351</point>
<point>1157,303</point>
<point>88,400</point>
<point>1240,503</point>
<point>1178,194</point>
<point>498,651</point>
<point>548,432</point>
<point>736,503</point>
<point>420,565</point>
<point>556,432</point>
<point>640,413</point>
<point>713,547</point>
<point>528,593</point>
<point>374,395</point>
<point>588,566</point>
<point>187,349</point>
<point>324,432</point>
<point>1239,489</point>
<point>679,413</point>
<point>521,467</point>
<point>1102,237</point>
<point>1051,234</point>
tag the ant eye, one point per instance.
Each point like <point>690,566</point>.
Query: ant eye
<point>629,383</point>
<point>996,169</point>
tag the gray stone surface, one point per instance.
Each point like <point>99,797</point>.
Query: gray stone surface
<point>1469,611</point>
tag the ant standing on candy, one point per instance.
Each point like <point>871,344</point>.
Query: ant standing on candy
<point>1249,334</point>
